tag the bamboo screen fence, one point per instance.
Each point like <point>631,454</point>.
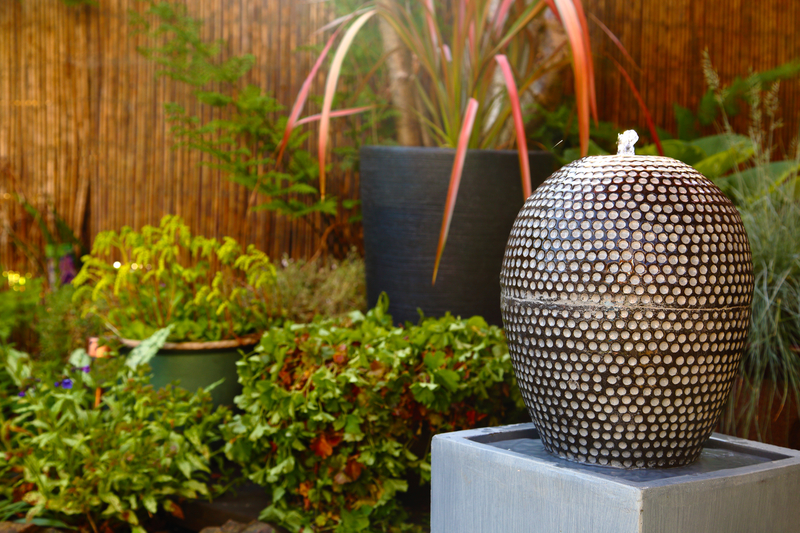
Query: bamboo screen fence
<point>83,130</point>
<point>666,39</point>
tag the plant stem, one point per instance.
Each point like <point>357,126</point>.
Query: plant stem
<point>91,522</point>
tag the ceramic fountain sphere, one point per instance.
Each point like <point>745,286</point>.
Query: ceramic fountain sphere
<point>625,291</point>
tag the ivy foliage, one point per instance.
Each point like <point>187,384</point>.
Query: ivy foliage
<point>95,454</point>
<point>338,415</point>
<point>165,278</point>
<point>19,298</point>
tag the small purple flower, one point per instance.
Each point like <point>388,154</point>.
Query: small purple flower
<point>86,369</point>
<point>21,393</point>
<point>67,383</point>
<point>57,383</point>
<point>66,265</point>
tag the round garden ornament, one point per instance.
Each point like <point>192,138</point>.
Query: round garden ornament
<point>625,292</point>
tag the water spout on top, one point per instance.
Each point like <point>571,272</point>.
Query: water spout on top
<point>625,142</point>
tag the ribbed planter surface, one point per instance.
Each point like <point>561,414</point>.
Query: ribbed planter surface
<point>626,291</point>
<point>403,192</point>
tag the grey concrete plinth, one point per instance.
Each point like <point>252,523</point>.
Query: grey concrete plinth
<point>501,480</point>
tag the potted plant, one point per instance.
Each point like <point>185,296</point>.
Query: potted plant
<point>466,52</point>
<point>216,297</point>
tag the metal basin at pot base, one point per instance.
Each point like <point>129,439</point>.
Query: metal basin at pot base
<point>502,479</point>
<point>199,368</point>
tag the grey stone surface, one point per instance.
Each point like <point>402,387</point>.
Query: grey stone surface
<point>501,480</point>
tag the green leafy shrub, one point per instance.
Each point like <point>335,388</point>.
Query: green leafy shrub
<point>718,104</point>
<point>60,326</point>
<point>19,296</point>
<point>8,390</point>
<point>165,277</point>
<point>109,463</point>
<point>338,415</point>
<point>326,287</point>
<point>46,324</point>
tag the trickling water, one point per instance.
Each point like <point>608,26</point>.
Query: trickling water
<point>625,142</point>
<point>711,460</point>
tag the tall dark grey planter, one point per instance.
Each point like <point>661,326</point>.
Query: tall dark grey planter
<point>403,192</point>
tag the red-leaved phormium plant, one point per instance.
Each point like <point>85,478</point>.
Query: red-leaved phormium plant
<point>466,50</point>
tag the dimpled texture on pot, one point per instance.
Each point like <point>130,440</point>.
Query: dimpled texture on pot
<point>625,292</point>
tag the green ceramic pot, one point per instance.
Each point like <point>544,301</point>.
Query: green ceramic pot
<point>199,364</point>
<point>199,368</point>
